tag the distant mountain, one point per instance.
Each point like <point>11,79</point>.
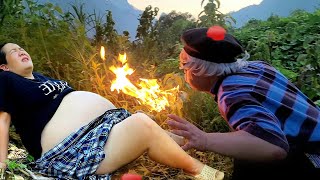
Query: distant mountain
<point>266,8</point>
<point>124,15</point>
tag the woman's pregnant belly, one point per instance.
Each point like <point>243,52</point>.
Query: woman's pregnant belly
<point>77,109</point>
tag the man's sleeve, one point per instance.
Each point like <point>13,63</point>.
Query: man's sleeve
<point>247,114</point>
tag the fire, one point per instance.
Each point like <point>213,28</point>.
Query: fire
<point>147,92</point>
<point>103,53</point>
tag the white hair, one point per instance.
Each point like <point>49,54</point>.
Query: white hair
<point>204,68</point>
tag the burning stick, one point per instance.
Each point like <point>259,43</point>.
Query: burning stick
<point>103,53</point>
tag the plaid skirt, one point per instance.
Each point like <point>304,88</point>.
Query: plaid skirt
<point>79,155</point>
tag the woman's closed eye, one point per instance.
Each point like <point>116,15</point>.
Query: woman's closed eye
<point>13,51</point>
<point>16,50</point>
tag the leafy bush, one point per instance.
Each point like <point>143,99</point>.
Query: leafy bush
<point>291,44</point>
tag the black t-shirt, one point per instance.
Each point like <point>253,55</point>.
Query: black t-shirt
<point>31,104</point>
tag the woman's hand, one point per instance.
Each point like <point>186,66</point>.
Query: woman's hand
<point>195,137</point>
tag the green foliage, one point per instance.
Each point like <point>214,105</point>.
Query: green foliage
<point>79,14</point>
<point>19,164</point>
<point>202,110</point>
<point>170,27</point>
<point>14,165</point>
<point>106,35</point>
<point>9,8</point>
<point>212,16</point>
<point>291,44</point>
<point>168,66</point>
<point>111,33</point>
<point>146,28</point>
<point>145,46</point>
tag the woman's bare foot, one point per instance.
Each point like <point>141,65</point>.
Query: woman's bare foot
<point>204,172</point>
<point>209,173</point>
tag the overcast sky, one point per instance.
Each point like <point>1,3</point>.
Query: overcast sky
<point>191,6</point>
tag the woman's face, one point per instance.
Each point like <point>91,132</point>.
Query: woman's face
<point>198,82</point>
<point>18,60</point>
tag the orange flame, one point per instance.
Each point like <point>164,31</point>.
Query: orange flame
<point>148,93</point>
<point>103,53</point>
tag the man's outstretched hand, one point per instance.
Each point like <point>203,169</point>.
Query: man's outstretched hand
<point>195,137</point>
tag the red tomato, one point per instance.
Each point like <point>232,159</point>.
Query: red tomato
<point>131,177</point>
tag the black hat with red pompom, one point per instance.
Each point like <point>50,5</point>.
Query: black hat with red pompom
<point>212,44</point>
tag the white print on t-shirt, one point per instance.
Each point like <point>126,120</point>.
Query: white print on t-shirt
<point>50,86</point>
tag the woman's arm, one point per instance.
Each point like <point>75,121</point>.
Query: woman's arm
<point>5,119</point>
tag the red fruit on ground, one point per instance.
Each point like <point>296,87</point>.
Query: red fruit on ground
<point>131,177</point>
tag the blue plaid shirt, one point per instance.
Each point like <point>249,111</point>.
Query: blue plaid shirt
<point>261,101</point>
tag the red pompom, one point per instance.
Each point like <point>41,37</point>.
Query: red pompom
<point>131,177</point>
<point>216,33</point>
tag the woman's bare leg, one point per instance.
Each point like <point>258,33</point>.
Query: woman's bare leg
<point>138,134</point>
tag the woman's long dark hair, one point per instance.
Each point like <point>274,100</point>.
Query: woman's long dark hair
<point>3,59</point>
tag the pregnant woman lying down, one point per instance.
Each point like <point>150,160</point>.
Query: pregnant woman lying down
<point>78,134</point>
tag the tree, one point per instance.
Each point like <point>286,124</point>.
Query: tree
<point>146,45</point>
<point>111,35</point>
<point>146,28</point>
<point>170,28</point>
<point>9,7</point>
<point>212,16</point>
